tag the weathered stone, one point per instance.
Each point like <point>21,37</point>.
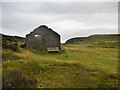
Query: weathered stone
<point>43,39</point>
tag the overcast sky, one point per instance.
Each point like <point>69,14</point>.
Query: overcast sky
<point>69,19</point>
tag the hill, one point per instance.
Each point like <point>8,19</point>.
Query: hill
<point>102,40</point>
<point>76,66</point>
<point>11,42</point>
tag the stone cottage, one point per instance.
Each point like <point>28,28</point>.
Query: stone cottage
<point>43,39</point>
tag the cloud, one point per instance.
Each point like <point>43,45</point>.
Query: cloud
<point>69,19</point>
<point>60,0</point>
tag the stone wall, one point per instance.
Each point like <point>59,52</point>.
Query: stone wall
<point>41,38</point>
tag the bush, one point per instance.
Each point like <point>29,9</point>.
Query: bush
<point>9,55</point>
<point>14,47</point>
<point>23,45</point>
<point>16,79</point>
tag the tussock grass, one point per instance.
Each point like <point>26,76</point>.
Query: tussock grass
<point>85,65</point>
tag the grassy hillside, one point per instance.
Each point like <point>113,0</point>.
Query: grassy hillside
<point>103,40</point>
<point>12,42</point>
<point>76,66</point>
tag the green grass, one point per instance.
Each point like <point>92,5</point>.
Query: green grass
<point>102,40</point>
<point>78,66</point>
<point>85,65</point>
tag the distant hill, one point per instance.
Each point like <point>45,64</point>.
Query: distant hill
<point>103,40</point>
<point>93,38</point>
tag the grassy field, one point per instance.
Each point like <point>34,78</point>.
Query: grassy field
<point>76,66</point>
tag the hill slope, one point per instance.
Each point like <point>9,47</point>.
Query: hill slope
<point>105,40</point>
<point>76,66</point>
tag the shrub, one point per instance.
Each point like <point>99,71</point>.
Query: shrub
<point>23,45</point>
<point>9,55</point>
<point>14,47</point>
<point>16,79</point>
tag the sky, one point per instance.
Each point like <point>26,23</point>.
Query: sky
<point>69,19</point>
